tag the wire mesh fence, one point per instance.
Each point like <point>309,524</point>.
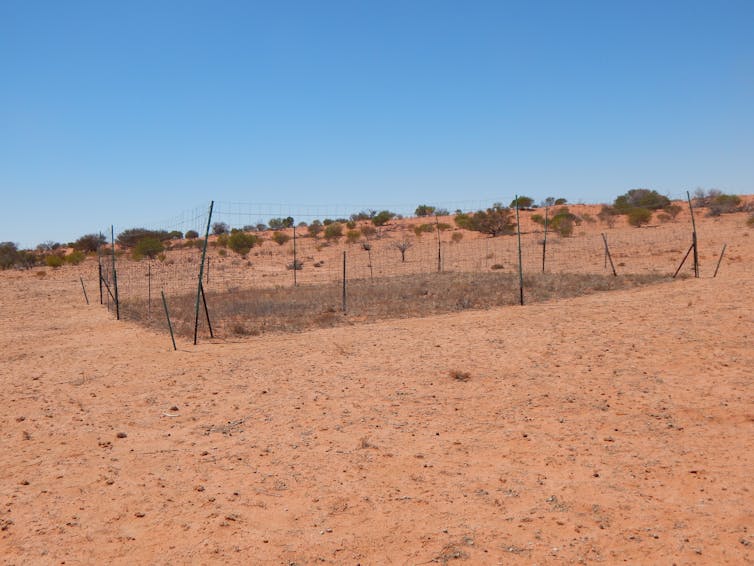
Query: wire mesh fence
<point>294,279</point>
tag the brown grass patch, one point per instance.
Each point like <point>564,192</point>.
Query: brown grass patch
<point>292,309</point>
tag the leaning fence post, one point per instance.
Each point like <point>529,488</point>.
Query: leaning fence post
<point>720,260</point>
<point>610,257</point>
<point>84,288</point>
<point>206,313</point>
<point>694,238</point>
<point>683,260</point>
<point>99,266</point>
<point>520,262</point>
<point>149,290</point>
<point>201,272</point>
<point>167,315</point>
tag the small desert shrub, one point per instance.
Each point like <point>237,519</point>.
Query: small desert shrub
<point>420,229</point>
<point>351,224</point>
<point>241,242</point>
<point>639,216</point>
<point>333,231</point>
<point>220,228</point>
<point>368,231</point>
<point>750,221</point>
<point>222,252</point>
<point>608,214</point>
<point>460,375</point>
<point>148,247</point>
<point>457,237</point>
<point>664,217</point>
<point>352,236</point>
<point>563,222</point>
<point>298,265</point>
<point>75,257</point>
<point>672,210</point>
<point>41,274</point>
<point>54,261</point>
<point>640,198</point>
<point>538,219</point>
<point>497,266</point>
<point>724,204</point>
<point>191,234</point>
<point>588,218</point>
<point>280,238</point>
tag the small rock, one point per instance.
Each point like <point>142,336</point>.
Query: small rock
<point>139,514</point>
<point>174,408</point>
<point>121,435</point>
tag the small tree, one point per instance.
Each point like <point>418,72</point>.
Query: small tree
<point>280,238</point>
<point>192,234</point>
<point>672,210</point>
<point>241,242</point>
<point>639,216</point>
<point>382,217</point>
<point>563,222</point>
<point>75,257</point>
<point>352,236</point>
<point>403,247</point>
<point>608,214</point>
<point>220,228</point>
<point>640,198</point>
<point>89,242</point>
<point>494,221</point>
<point>148,247</point>
<point>424,210</point>
<point>9,255</point>
<point>333,231</point>
<point>523,202</point>
<point>724,204</point>
<point>315,228</point>
<point>281,223</point>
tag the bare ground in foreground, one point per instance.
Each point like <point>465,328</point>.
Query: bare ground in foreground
<point>613,427</point>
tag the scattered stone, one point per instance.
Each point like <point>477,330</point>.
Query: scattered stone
<point>121,435</point>
<point>139,514</point>
<point>174,408</point>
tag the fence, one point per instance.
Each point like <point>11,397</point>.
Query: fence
<point>400,270</point>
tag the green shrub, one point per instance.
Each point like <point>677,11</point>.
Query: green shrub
<point>608,214</point>
<point>563,222</point>
<point>352,236</point>
<point>89,242</point>
<point>315,228</point>
<point>148,247</point>
<point>222,240</point>
<point>639,216</point>
<point>457,237</point>
<point>523,202</point>
<point>241,242</point>
<point>672,210</point>
<point>382,217</point>
<point>280,238</point>
<point>333,231</point>
<point>281,223</point>
<point>750,221</point>
<point>538,219</point>
<point>424,210</point>
<point>75,257</point>
<point>724,204</point>
<point>420,229</point>
<point>494,221</point>
<point>54,261</point>
<point>8,255</point>
<point>368,231</point>
<point>191,234</point>
<point>640,198</point>
<point>131,237</point>
<point>560,201</point>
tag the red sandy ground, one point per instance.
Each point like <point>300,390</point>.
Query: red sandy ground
<point>610,428</point>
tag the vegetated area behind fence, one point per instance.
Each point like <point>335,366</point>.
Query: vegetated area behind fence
<point>297,282</point>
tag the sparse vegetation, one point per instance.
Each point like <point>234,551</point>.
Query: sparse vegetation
<point>89,243</point>
<point>383,217</point>
<point>639,216</point>
<point>403,246</point>
<point>333,231</point>
<point>241,242</point>
<point>310,306</point>
<point>192,234</point>
<point>640,198</point>
<point>148,247</point>
<point>220,228</point>
<point>495,221</point>
<point>280,238</point>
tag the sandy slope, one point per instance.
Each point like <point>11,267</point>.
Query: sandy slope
<point>609,428</point>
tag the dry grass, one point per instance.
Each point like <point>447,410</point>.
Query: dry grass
<point>289,309</point>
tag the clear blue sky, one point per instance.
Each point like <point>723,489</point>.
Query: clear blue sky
<point>129,112</point>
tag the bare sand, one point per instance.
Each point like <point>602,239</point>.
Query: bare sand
<point>616,427</point>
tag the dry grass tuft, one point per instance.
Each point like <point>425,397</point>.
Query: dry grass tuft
<point>294,309</point>
<point>460,375</point>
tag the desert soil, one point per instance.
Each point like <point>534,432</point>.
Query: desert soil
<point>616,427</point>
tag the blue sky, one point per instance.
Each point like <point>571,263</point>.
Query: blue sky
<point>126,113</point>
